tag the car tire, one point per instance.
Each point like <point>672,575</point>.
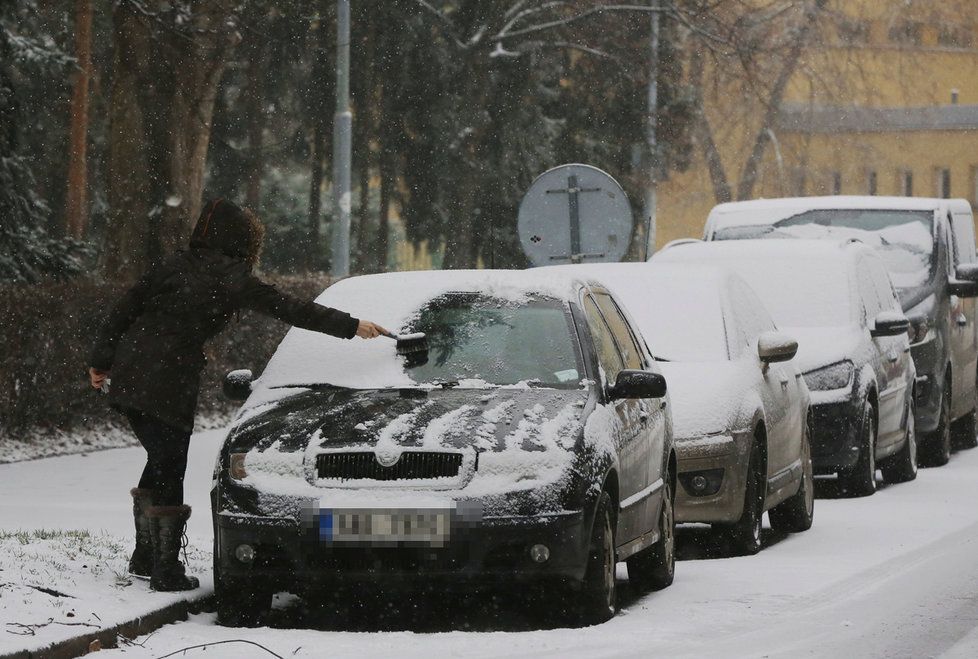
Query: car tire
<point>795,514</point>
<point>964,432</point>
<point>240,604</point>
<point>745,534</point>
<point>655,568</point>
<point>936,451</point>
<point>860,481</point>
<point>902,467</point>
<point>597,598</point>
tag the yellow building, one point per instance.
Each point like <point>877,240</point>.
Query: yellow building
<point>885,102</point>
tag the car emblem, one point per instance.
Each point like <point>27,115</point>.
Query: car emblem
<point>387,458</point>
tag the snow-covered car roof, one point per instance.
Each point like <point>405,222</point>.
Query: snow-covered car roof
<point>686,312</point>
<point>768,211</point>
<point>802,282</point>
<point>392,300</point>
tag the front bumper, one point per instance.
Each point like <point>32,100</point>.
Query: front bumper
<point>712,453</point>
<point>492,551</point>
<point>835,435</point>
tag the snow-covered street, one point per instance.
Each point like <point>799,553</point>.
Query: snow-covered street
<point>892,575</point>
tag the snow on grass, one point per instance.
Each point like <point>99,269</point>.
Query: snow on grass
<point>58,583</point>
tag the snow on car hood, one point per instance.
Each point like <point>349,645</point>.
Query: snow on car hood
<point>706,396</point>
<point>525,440</point>
<point>821,346</point>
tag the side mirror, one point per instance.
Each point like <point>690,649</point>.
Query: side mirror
<point>967,272</point>
<point>776,347</point>
<point>965,282</point>
<point>890,323</point>
<point>237,384</point>
<point>638,384</point>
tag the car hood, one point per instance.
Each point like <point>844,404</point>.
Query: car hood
<point>492,420</point>
<point>706,396</point>
<point>821,346</point>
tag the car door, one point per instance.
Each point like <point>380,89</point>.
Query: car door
<point>886,356</point>
<point>632,444</point>
<point>964,335</point>
<point>779,385</point>
<point>651,412</point>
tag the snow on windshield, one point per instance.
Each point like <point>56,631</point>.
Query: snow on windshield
<point>903,239</point>
<point>396,302</point>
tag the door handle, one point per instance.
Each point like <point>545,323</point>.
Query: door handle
<point>643,416</point>
<point>961,320</point>
<point>892,357</point>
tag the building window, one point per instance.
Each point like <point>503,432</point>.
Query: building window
<point>871,185</point>
<point>906,183</point>
<point>906,32</point>
<point>836,183</point>
<point>943,182</point>
<point>955,36</point>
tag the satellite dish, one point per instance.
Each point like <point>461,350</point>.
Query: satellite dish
<point>573,214</point>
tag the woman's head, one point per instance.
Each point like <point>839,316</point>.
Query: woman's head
<point>228,228</point>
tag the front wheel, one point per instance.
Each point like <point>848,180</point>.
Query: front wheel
<point>902,467</point>
<point>861,480</point>
<point>745,533</point>
<point>936,452</point>
<point>240,604</point>
<point>598,596</point>
<point>964,432</point>
<point>795,514</point>
<point>655,567</point>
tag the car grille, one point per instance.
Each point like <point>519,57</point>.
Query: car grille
<point>411,465</point>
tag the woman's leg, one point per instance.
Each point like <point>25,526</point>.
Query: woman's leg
<point>166,457</point>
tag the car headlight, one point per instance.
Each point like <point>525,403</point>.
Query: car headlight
<point>920,329</point>
<point>236,466</point>
<point>833,376</point>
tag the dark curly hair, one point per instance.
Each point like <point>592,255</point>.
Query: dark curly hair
<point>228,228</point>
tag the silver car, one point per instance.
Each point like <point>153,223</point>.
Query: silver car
<point>740,403</point>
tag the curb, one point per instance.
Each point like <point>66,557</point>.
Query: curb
<point>109,637</point>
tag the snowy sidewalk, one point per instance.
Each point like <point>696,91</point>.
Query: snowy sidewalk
<point>65,538</point>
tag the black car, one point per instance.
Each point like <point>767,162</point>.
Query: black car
<point>528,442</point>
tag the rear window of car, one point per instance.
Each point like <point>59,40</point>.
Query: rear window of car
<point>500,342</point>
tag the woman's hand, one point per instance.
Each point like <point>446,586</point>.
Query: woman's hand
<point>369,330</point>
<point>97,377</point>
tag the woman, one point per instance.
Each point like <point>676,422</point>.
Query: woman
<point>152,343</point>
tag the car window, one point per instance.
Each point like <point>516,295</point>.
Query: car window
<point>884,288</point>
<point>604,344</point>
<point>964,238</point>
<point>630,353</point>
<point>868,295</point>
<point>750,317</point>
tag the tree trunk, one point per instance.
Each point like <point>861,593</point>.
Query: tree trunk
<point>314,259</point>
<point>254,98</point>
<point>383,219</point>
<point>704,132</point>
<point>76,204</point>
<point>748,176</point>
<point>165,83</point>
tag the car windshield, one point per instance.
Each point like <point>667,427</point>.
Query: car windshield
<point>500,342</point>
<point>904,239</point>
<point>813,293</point>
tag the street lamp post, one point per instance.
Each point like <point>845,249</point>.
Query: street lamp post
<point>342,145</point>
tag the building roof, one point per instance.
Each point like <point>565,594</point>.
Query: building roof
<point>798,118</point>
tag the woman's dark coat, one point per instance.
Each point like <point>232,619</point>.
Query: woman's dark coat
<point>153,339</point>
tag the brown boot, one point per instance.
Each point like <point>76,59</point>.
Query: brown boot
<point>141,562</point>
<point>167,524</point>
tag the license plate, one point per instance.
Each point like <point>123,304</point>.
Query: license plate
<point>384,527</point>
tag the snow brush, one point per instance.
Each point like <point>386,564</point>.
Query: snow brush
<point>413,347</point>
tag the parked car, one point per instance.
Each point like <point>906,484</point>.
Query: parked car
<point>531,443</point>
<point>836,299</point>
<point>740,404</point>
<point>928,246</point>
